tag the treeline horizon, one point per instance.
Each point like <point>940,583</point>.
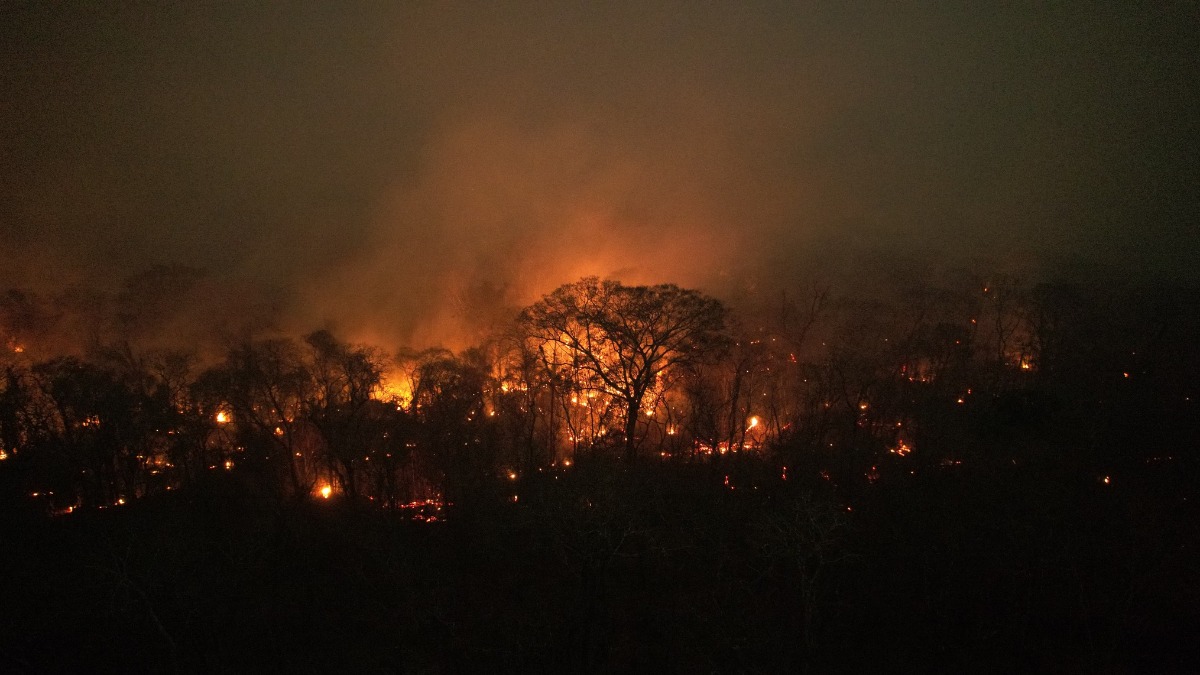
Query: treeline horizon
<point>919,376</point>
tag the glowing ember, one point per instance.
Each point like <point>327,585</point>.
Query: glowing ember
<point>326,491</point>
<point>423,510</point>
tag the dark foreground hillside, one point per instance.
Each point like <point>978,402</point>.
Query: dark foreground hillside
<point>609,568</point>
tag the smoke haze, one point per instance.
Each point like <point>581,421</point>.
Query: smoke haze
<point>405,174</point>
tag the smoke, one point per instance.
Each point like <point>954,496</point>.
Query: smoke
<point>522,210</point>
<point>412,175</point>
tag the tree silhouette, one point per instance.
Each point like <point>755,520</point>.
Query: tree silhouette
<point>268,386</point>
<point>623,340</point>
<point>345,378</point>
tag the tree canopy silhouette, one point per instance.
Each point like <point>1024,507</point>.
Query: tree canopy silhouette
<point>623,340</point>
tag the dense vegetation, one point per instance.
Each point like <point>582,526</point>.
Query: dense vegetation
<point>973,474</point>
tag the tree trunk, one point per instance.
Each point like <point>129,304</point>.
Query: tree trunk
<point>631,417</point>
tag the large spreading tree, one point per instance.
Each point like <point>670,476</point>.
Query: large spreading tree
<point>622,339</point>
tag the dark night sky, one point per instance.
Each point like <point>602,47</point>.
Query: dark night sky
<point>375,160</point>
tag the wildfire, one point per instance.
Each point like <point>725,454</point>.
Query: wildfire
<point>395,388</point>
<point>326,491</point>
<point>224,417</point>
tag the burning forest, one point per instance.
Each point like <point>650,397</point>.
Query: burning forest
<point>825,413</point>
<point>648,336</point>
<point>595,369</point>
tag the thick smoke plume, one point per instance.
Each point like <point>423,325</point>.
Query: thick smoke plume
<point>409,175</point>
